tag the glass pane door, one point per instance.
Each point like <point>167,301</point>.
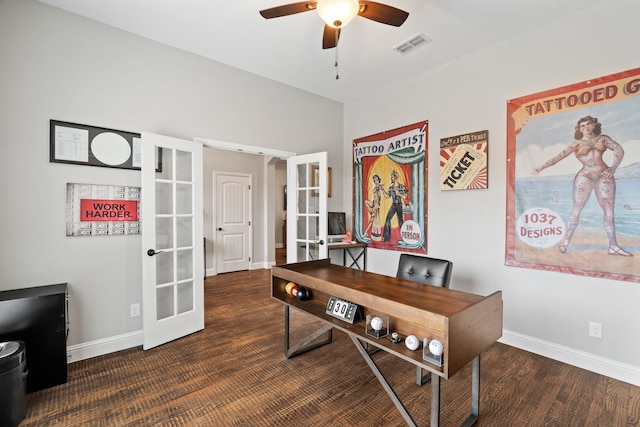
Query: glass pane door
<point>174,233</point>
<point>307,204</point>
<point>173,288</point>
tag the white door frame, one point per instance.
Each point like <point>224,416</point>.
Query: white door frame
<point>267,153</point>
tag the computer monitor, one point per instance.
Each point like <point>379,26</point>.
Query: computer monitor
<point>336,228</point>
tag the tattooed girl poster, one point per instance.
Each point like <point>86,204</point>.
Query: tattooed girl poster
<point>573,163</point>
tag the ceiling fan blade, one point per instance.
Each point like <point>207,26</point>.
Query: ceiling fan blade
<point>288,9</point>
<point>330,37</point>
<point>382,13</point>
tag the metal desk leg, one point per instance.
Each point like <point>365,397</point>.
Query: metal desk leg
<point>475,393</point>
<point>383,381</point>
<point>364,258</point>
<point>435,401</point>
<point>354,259</point>
<point>303,346</point>
<point>421,379</point>
<point>475,396</point>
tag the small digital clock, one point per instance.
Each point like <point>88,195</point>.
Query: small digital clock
<point>343,310</point>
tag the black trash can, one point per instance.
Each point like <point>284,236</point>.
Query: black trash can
<point>13,383</point>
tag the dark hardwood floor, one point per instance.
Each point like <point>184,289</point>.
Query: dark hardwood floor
<point>234,373</point>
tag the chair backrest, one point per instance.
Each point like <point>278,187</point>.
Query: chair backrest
<point>430,271</point>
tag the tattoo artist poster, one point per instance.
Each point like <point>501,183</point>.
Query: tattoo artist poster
<point>463,161</point>
<point>573,184</point>
<point>390,187</point>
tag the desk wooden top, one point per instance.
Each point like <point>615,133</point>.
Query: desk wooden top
<point>332,245</point>
<point>363,286</point>
<point>340,245</point>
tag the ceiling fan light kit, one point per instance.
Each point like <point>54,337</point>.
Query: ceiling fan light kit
<point>337,13</point>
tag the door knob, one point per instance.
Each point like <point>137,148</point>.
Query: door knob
<point>321,242</point>
<point>152,252</point>
<point>219,228</point>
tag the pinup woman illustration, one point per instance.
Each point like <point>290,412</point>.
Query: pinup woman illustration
<point>397,192</point>
<point>373,207</point>
<point>594,176</point>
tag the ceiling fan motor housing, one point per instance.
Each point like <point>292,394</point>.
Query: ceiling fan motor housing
<point>337,13</point>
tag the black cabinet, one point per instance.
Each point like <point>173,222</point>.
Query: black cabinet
<point>38,316</point>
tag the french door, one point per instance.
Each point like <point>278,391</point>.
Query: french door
<point>307,207</point>
<point>172,236</point>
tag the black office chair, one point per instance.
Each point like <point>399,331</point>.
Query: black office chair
<point>429,271</point>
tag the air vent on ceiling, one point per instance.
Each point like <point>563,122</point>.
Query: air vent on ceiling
<point>412,43</point>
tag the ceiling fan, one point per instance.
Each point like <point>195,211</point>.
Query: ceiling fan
<point>338,13</point>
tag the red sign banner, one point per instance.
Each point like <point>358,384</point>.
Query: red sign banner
<point>108,210</point>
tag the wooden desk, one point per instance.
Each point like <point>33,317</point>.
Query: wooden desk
<point>346,250</point>
<point>467,324</point>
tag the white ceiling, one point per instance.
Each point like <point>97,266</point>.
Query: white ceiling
<point>288,49</point>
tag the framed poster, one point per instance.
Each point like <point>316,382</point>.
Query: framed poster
<point>102,210</point>
<point>463,161</point>
<point>93,146</point>
<point>573,185</point>
<point>390,188</point>
<point>315,180</point>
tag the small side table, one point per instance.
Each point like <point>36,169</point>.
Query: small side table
<point>354,257</point>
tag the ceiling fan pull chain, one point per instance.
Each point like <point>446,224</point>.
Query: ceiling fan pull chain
<point>336,64</point>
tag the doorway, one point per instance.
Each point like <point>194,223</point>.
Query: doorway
<point>260,163</point>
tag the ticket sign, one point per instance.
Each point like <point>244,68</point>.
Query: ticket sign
<point>108,210</point>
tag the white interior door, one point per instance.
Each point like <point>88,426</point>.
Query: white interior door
<point>172,235</point>
<point>232,224</point>
<point>307,207</point>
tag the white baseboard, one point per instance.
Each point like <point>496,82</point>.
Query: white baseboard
<point>259,265</point>
<point>600,365</point>
<point>252,266</point>
<point>90,349</point>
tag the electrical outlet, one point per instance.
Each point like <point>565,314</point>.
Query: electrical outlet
<point>135,310</point>
<point>595,330</point>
